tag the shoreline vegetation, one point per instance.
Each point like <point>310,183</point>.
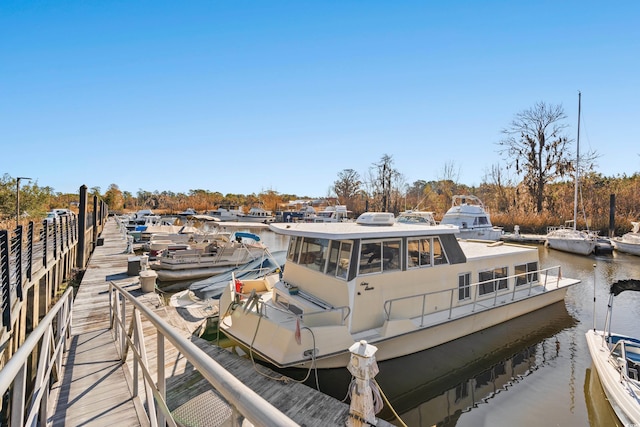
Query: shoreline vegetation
<point>507,205</point>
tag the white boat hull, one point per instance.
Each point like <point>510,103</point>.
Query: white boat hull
<point>626,247</point>
<point>189,274</point>
<point>575,246</point>
<point>625,404</point>
<point>394,339</point>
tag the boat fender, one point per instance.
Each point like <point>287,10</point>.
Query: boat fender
<point>239,286</point>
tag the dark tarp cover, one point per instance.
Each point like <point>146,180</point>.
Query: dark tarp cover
<point>625,285</point>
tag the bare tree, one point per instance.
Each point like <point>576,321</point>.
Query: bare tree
<point>537,147</point>
<point>448,181</point>
<point>382,177</point>
<point>500,183</point>
<point>347,186</point>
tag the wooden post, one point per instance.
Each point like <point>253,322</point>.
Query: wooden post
<point>612,215</point>
<point>82,225</point>
<point>96,222</point>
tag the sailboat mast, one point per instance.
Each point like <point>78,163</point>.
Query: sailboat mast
<point>577,180</point>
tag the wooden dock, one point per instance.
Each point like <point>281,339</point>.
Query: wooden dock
<point>531,239</point>
<point>96,388</point>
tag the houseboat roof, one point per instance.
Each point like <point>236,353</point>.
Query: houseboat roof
<point>475,249</point>
<point>353,230</point>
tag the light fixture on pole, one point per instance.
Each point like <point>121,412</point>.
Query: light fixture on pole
<point>18,199</point>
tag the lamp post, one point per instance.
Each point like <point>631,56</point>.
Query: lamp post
<point>18,199</point>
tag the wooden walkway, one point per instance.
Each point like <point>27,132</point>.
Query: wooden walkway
<point>94,390</point>
<point>96,386</point>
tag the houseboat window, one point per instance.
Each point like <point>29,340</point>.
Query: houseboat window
<point>314,253</point>
<point>391,255</point>
<point>464,286</point>
<point>419,252</point>
<point>339,256</point>
<point>370,258</point>
<point>526,273</point>
<point>334,257</point>
<point>439,257</point>
<point>379,256</point>
<point>481,220</point>
<point>492,279</point>
<point>532,271</point>
<point>294,249</point>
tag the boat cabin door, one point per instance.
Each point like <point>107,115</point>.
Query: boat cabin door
<point>375,259</point>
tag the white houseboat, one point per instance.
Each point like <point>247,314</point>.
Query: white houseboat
<point>468,213</point>
<point>257,214</point>
<point>401,287</point>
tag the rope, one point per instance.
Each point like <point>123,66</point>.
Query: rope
<point>283,378</point>
<point>395,414</point>
<point>378,403</point>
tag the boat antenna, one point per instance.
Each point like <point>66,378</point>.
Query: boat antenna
<point>417,206</point>
<point>575,191</point>
<point>594,296</point>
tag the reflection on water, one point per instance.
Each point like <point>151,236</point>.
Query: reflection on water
<point>600,411</point>
<point>467,372</point>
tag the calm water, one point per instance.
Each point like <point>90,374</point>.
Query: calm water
<point>534,370</point>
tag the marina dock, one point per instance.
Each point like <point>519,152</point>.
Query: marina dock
<point>98,389</point>
<point>534,239</point>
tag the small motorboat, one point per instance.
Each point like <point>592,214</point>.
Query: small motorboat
<point>616,358</point>
<point>630,242</point>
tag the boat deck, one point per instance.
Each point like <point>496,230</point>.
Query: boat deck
<point>445,316</point>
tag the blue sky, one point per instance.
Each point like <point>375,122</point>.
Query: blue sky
<point>248,96</point>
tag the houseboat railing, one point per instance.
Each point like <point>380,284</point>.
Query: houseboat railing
<point>241,398</point>
<point>29,373</point>
<point>263,309</point>
<point>388,304</point>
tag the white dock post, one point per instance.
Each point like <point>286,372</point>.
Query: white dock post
<point>129,249</point>
<point>364,368</point>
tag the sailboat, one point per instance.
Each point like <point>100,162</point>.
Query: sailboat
<point>567,238</point>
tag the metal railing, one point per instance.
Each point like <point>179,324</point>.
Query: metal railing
<point>253,301</point>
<point>27,387</point>
<point>243,400</point>
<point>477,298</point>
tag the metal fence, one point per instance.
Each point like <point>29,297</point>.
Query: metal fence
<point>26,378</point>
<point>244,402</point>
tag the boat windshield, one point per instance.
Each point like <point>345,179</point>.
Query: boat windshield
<point>331,257</point>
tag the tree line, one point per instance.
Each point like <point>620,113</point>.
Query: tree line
<point>534,190</point>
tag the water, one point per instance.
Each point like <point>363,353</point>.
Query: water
<point>534,370</point>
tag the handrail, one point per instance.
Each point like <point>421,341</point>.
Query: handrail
<point>388,304</point>
<point>342,309</point>
<point>624,371</point>
<point>262,308</point>
<point>39,342</point>
<point>247,402</point>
